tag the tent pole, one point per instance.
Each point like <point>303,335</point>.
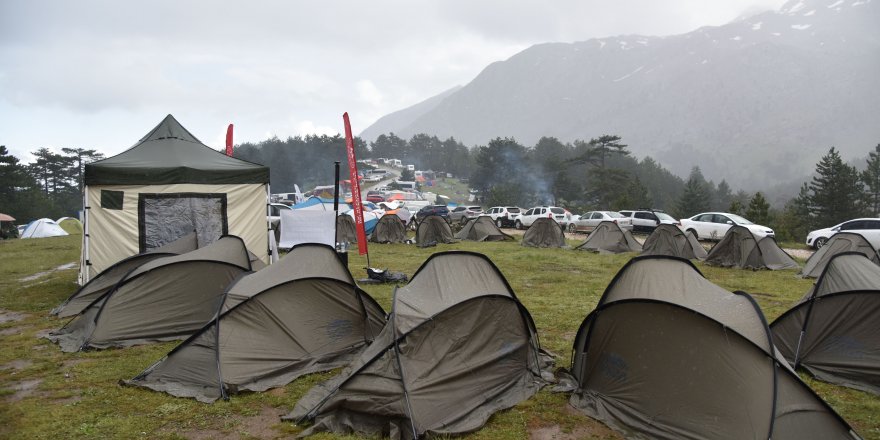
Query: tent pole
<point>335,199</point>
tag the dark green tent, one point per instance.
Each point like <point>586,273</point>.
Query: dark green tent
<point>482,229</point>
<point>432,230</point>
<point>544,233</point>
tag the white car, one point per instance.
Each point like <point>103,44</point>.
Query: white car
<point>589,221</point>
<point>646,221</point>
<point>526,219</point>
<point>867,227</point>
<point>503,216</point>
<point>713,225</point>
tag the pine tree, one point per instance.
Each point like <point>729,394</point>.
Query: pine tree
<point>759,209</point>
<point>871,179</point>
<point>837,192</point>
<point>695,198</point>
<point>723,197</point>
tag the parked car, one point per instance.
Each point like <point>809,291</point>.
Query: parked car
<point>462,214</point>
<point>503,216</point>
<point>440,210</point>
<point>713,225</point>
<point>275,212</point>
<point>375,196</point>
<point>589,221</point>
<point>867,227</point>
<point>526,219</point>
<point>646,220</point>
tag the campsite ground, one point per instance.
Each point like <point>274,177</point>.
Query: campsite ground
<point>47,394</point>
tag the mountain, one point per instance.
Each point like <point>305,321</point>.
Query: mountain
<point>756,101</point>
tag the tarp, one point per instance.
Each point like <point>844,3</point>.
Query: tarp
<point>433,229</point>
<point>743,250</point>
<point>458,346</point>
<point>389,229</point>
<point>164,299</point>
<point>482,228</point>
<point>544,233</point>
<point>609,238</point>
<point>165,186</point>
<point>106,280</point>
<point>832,332</point>
<point>838,243</point>
<point>671,240</point>
<point>293,318</point>
<point>307,226</point>
<point>668,354</point>
<point>42,228</point>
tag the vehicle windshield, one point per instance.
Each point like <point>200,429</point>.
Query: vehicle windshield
<point>664,216</point>
<point>739,220</point>
<point>614,214</point>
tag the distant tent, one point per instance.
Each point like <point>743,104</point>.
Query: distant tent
<point>164,299</point>
<point>70,225</point>
<point>164,187</point>
<point>433,229</point>
<point>670,240</point>
<point>321,204</point>
<point>389,229</point>
<point>544,233</point>
<point>106,280</point>
<point>838,243</point>
<point>346,229</point>
<point>42,228</point>
<point>301,315</point>
<point>832,332</point>
<point>668,354</point>
<point>452,354</point>
<point>609,238</point>
<point>482,228</point>
<point>741,249</point>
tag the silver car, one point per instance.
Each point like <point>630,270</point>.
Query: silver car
<point>589,221</point>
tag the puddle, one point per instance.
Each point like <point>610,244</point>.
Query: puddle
<point>18,364</point>
<point>7,316</point>
<point>23,389</point>
<point>39,275</point>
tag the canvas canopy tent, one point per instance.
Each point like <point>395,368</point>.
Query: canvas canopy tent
<point>433,229</point>
<point>346,229</point>
<point>165,186</point>
<point>670,240</point>
<point>164,299</point>
<point>482,229</point>
<point>609,238</point>
<point>458,346</point>
<point>668,354</point>
<point>389,229</point>
<point>743,250</point>
<point>106,280</point>
<point>832,332</point>
<point>544,233</point>
<point>301,315</point>
<point>43,228</point>
<point>838,243</point>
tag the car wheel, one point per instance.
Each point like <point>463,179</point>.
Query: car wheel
<point>518,225</point>
<point>572,228</point>
<point>499,223</point>
<point>820,242</point>
<point>694,233</point>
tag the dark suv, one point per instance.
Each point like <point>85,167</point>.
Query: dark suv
<point>646,220</point>
<point>440,210</point>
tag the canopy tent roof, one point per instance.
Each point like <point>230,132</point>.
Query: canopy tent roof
<point>6,218</point>
<point>171,154</point>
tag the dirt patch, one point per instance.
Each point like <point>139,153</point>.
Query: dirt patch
<point>257,426</point>
<point>581,432</point>
<point>23,389</point>
<point>10,331</point>
<point>18,364</point>
<point>8,316</point>
<point>799,253</point>
<point>39,275</point>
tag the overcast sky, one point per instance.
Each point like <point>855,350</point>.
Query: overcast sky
<point>101,74</point>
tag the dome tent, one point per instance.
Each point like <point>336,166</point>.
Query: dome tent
<point>609,238</point>
<point>107,279</point>
<point>544,233</point>
<point>832,331</point>
<point>743,250</point>
<point>165,299</point>
<point>166,185</point>
<point>43,228</point>
<point>451,354</point>
<point>302,315</point>
<point>433,229</point>
<point>389,229</point>
<point>838,243</point>
<point>670,240</point>
<point>482,228</point>
<point>346,229</point>
<point>668,354</point>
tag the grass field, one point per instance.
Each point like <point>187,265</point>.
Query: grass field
<point>45,394</point>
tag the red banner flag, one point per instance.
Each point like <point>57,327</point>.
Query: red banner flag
<point>355,188</point>
<point>229,140</point>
